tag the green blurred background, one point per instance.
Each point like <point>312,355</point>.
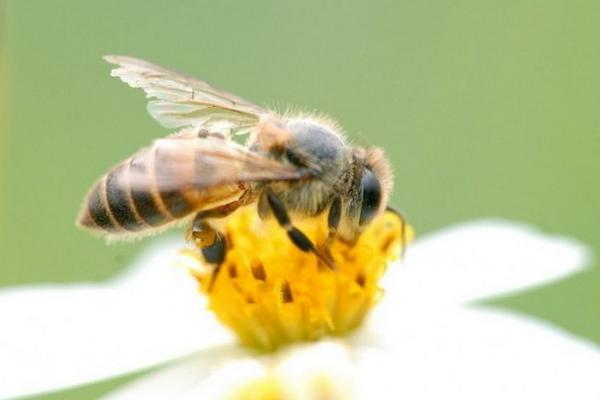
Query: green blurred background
<point>486,109</point>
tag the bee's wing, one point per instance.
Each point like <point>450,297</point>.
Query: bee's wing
<point>180,163</point>
<point>183,101</point>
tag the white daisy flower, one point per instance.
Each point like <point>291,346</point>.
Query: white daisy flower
<point>428,336</point>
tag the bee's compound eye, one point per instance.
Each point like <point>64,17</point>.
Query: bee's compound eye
<point>371,196</point>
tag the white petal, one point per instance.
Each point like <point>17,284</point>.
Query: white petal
<point>481,259</point>
<point>55,336</point>
<point>475,354</point>
<point>187,379</point>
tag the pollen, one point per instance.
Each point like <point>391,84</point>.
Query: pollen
<point>271,293</point>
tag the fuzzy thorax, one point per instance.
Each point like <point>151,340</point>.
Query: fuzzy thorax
<point>270,293</point>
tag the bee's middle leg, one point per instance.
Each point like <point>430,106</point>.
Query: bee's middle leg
<point>296,235</point>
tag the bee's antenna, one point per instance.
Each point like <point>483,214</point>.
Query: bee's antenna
<point>402,229</point>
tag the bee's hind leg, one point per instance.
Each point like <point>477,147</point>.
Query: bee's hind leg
<point>296,235</point>
<point>212,243</point>
<point>201,233</point>
<point>215,254</point>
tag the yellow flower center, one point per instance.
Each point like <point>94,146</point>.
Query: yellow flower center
<point>270,293</point>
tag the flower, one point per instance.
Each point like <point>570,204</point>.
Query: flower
<point>429,336</point>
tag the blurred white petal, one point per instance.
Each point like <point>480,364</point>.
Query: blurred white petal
<point>479,260</point>
<point>187,378</point>
<point>56,336</point>
<point>323,370</point>
<point>474,354</point>
<point>304,371</point>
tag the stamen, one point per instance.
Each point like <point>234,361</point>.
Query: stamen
<point>258,271</point>
<point>286,292</point>
<point>232,270</point>
<point>361,279</point>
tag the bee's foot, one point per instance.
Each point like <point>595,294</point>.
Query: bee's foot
<point>325,255</point>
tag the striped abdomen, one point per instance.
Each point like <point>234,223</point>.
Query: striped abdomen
<point>148,191</point>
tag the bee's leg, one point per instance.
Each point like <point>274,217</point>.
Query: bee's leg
<point>296,235</point>
<point>211,243</point>
<point>225,209</point>
<point>402,228</point>
<point>201,232</point>
<point>333,219</point>
<point>215,254</point>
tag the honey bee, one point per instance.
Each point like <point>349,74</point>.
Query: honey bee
<point>291,166</point>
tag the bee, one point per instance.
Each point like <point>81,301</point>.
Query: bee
<point>290,166</point>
